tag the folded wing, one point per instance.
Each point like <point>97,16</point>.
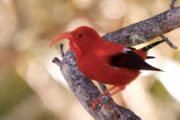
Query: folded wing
<point>131,60</point>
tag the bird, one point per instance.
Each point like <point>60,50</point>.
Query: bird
<point>106,61</point>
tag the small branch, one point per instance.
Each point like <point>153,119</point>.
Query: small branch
<point>62,50</point>
<point>172,2</point>
<point>57,61</point>
<point>168,42</point>
<point>134,34</point>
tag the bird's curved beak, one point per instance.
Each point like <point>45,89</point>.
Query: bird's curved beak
<point>65,35</point>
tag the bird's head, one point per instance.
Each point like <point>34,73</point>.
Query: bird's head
<point>81,39</point>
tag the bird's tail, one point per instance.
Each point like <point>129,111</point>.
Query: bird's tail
<point>146,48</point>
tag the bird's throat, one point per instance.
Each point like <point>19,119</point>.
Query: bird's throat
<point>75,48</point>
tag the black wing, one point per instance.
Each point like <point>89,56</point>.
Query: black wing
<point>130,60</point>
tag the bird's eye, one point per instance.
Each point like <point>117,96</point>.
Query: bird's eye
<point>80,35</point>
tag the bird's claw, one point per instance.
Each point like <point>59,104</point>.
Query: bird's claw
<point>105,102</point>
<point>95,102</point>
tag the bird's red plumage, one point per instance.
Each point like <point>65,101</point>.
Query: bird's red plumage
<point>95,65</point>
<point>93,55</point>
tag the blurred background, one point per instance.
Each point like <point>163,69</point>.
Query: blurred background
<point>31,86</point>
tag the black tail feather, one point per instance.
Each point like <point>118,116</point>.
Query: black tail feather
<point>150,57</point>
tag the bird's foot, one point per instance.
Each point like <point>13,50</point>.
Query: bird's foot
<point>103,100</point>
<point>95,102</point>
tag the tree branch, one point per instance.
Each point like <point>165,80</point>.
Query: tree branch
<point>134,34</point>
<point>148,29</point>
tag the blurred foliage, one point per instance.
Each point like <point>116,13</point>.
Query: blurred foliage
<point>13,89</point>
<point>47,116</point>
<point>27,87</point>
<point>159,91</point>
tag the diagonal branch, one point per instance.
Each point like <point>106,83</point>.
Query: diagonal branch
<point>134,34</point>
<point>148,29</point>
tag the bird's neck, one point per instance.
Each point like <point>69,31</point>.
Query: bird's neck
<point>75,48</point>
<point>85,47</point>
<point>81,51</point>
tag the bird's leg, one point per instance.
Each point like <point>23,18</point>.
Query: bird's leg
<point>168,42</point>
<point>172,2</point>
<point>96,101</point>
<point>108,91</point>
<point>62,50</point>
<point>102,86</point>
<point>120,88</point>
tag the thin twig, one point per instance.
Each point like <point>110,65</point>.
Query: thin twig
<point>57,61</point>
<point>168,42</point>
<point>172,2</point>
<point>62,50</point>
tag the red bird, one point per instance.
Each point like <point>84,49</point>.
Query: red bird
<point>105,61</point>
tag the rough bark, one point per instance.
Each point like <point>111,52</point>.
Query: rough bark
<point>134,34</point>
